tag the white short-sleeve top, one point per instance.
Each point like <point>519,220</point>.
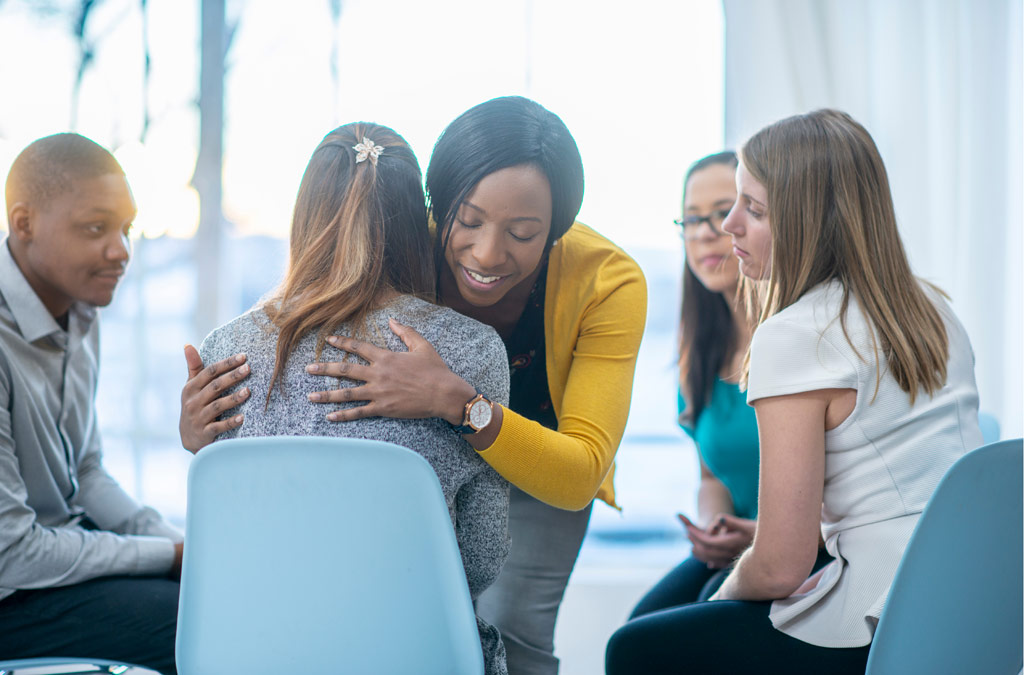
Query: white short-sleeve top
<point>881,464</point>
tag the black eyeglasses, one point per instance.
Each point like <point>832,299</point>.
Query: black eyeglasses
<point>690,225</point>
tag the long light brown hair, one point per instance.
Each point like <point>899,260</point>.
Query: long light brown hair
<point>359,236</point>
<point>832,217</point>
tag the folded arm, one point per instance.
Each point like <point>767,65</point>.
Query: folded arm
<point>33,555</point>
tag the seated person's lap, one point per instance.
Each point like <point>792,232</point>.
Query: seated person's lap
<point>725,636</point>
<point>130,619</point>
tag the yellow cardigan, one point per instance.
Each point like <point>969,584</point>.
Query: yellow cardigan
<point>595,307</point>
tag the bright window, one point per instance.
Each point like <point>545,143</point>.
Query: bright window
<point>641,90</point>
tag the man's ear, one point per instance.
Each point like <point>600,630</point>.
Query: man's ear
<point>19,218</point>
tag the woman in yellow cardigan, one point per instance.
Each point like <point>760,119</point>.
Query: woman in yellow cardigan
<point>505,183</point>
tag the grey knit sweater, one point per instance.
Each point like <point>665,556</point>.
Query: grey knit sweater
<point>477,496</point>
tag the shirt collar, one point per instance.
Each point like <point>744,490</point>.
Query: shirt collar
<point>33,319</point>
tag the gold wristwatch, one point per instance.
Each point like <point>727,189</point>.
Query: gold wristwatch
<point>478,414</point>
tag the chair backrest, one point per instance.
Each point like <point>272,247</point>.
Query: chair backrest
<point>331,555</point>
<point>989,427</point>
<point>957,600</point>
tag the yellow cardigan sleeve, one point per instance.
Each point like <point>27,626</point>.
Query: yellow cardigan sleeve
<point>593,328</point>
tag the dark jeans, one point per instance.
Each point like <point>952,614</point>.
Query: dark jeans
<point>721,637</point>
<point>692,581</point>
<point>667,634</point>
<point>129,619</point>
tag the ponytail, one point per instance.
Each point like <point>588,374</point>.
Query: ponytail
<point>359,234</point>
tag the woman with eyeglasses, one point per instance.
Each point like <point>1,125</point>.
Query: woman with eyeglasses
<point>714,336</point>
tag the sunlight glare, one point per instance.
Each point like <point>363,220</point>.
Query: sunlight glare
<point>168,205</point>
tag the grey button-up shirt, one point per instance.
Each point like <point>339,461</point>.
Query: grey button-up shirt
<point>51,473</point>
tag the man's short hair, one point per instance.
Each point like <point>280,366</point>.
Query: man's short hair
<point>46,168</point>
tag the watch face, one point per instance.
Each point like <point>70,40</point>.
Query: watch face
<point>480,414</point>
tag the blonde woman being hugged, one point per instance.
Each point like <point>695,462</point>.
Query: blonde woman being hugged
<point>355,263</point>
<point>862,380</point>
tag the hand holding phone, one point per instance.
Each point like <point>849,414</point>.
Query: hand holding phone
<point>722,542</point>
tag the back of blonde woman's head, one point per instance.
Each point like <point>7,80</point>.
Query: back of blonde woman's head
<point>832,217</point>
<point>359,236</point>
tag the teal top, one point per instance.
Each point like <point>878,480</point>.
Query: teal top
<point>726,438</point>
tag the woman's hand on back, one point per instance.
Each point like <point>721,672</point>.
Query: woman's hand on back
<point>409,385</point>
<point>203,398</point>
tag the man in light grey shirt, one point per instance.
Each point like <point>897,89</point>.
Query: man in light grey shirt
<point>85,571</point>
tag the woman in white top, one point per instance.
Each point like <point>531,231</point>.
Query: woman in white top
<point>862,380</point>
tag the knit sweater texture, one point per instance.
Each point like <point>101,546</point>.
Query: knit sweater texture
<point>476,495</point>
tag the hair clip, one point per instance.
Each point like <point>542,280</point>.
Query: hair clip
<point>367,149</point>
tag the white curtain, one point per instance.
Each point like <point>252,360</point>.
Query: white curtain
<point>938,83</point>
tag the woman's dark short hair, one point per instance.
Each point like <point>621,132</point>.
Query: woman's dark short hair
<point>498,134</point>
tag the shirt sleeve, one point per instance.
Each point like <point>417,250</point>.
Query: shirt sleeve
<point>481,528</point>
<point>565,468</point>
<point>481,504</point>
<point>36,556</point>
<point>108,505</point>
<point>489,369</point>
<point>790,358</point>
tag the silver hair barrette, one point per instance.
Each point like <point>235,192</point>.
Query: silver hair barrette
<point>367,149</point>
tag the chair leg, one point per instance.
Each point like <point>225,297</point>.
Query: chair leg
<point>93,670</point>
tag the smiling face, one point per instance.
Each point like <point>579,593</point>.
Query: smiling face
<point>75,247</point>
<point>709,192</point>
<point>749,226</point>
<point>499,235</point>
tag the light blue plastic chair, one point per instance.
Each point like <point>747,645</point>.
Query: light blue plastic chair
<point>989,427</point>
<point>323,554</point>
<point>956,602</point>
<point>94,666</point>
